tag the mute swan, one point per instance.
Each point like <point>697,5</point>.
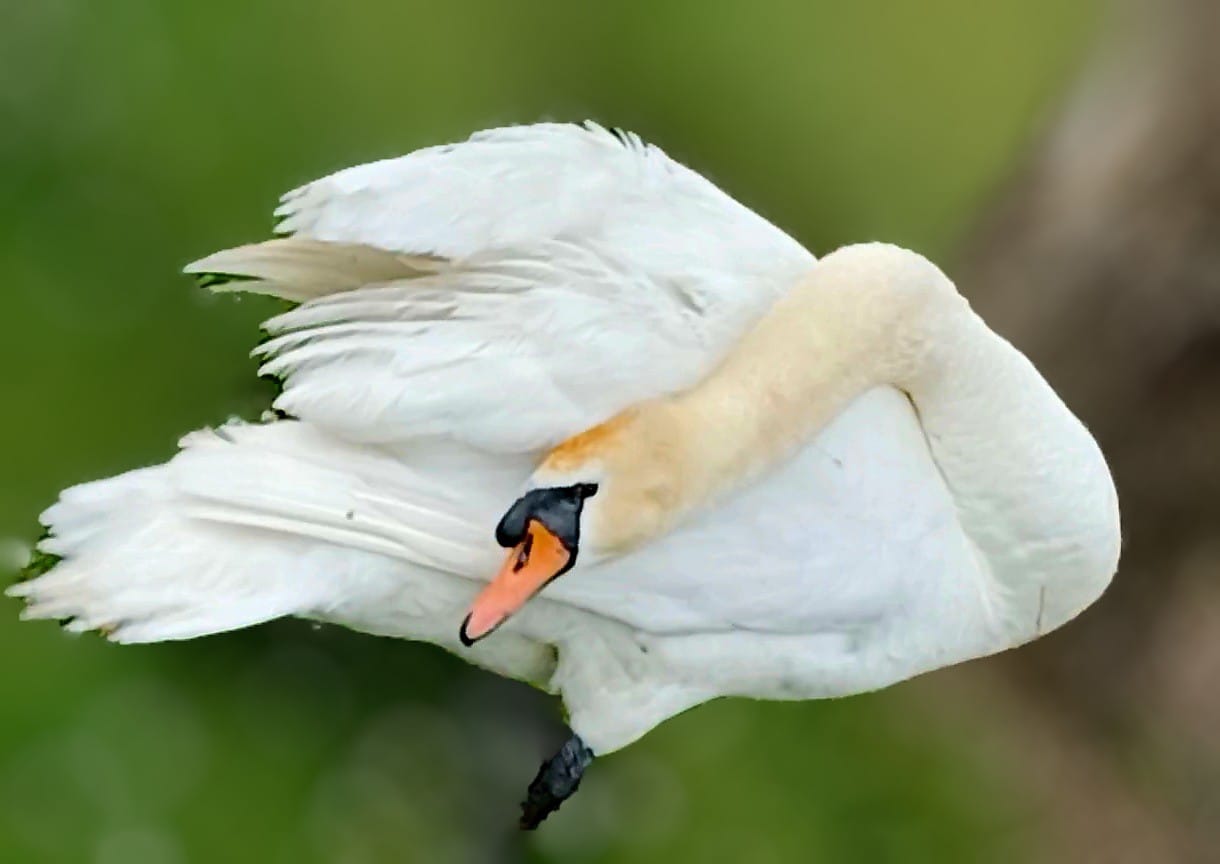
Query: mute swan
<point>785,478</point>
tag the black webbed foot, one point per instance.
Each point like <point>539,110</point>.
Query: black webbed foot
<point>557,779</point>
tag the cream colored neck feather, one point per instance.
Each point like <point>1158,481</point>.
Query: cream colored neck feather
<point>1032,490</point>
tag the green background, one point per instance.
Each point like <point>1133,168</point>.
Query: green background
<point>136,136</point>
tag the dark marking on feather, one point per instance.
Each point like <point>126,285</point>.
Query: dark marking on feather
<point>212,280</point>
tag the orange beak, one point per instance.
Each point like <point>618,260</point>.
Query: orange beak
<point>530,566</point>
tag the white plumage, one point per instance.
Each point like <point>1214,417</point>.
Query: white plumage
<point>576,280</point>
<point>466,308</point>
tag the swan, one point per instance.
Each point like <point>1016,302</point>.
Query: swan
<point>720,466</point>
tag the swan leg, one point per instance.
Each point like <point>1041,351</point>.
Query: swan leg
<point>558,778</point>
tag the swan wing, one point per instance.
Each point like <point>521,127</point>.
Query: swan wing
<point>508,291</point>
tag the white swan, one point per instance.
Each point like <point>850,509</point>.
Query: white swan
<point>796,479</point>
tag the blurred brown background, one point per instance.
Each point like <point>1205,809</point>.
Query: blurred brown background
<point>1060,160</point>
<point>1101,259</point>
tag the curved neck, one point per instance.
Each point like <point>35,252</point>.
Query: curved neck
<point>1032,490</point>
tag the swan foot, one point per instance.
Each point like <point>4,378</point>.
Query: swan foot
<point>558,778</point>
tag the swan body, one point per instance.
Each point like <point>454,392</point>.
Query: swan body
<point>814,478</point>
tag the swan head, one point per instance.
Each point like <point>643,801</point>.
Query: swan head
<point>598,494</point>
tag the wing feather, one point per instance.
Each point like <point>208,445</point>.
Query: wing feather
<point>508,291</point>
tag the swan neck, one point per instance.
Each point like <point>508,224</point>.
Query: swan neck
<point>855,322</point>
<point>1030,487</point>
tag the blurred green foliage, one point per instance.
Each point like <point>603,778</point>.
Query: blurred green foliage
<point>140,134</point>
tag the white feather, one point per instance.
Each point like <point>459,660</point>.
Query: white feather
<point>575,287</point>
<point>297,268</point>
<point>246,523</point>
<point>254,522</point>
